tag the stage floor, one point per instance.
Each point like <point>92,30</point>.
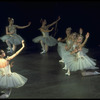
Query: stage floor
<point>47,79</point>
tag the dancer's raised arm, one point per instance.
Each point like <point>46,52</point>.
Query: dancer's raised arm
<point>14,55</point>
<point>54,22</point>
<point>80,31</point>
<point>86,38</point>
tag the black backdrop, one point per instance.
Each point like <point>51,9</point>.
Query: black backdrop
<point>75,14</point>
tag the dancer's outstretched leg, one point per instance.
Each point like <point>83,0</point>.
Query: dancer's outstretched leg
<point>88,73</point>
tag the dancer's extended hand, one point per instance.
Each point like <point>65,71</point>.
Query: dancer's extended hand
<point>87,35</point>
<point>23,44</point>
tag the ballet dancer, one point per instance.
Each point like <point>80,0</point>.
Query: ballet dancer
<point>11,38</point>
<point>8,79</point>
<point>46,40</point>
<point>78,60</point>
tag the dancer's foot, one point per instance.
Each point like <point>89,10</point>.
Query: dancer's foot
<point>61,61</point>
<point>65,68</point>
<point>4,96</point>
<point>43,52</point>
<point>96,73</point>
<point>2,91</point>
<point>67,73</point>
<point>90,73</point>
<point>6,93</point>
<point>10,51</point>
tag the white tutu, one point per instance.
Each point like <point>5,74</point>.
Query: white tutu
<point>14,38</point>
<point>49,40</point>
<point>61,48</point>
<point>79,62</point>
<point>11,79</point>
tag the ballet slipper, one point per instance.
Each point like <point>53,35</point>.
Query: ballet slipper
<point>61,61</point>
<point>43,52</point>
<point>68,73</point>
<point>96,73</point>
<point>65,68</point>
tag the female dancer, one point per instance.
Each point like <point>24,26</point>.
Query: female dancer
<point>77,60</point>
<point>46,40</point>
<point>11,38</point>
<point>61,45</point>
<point>68,46</point>
<point>64,47</point>
<point>8,79</point>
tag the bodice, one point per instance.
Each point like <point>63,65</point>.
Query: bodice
<point>12,28</point>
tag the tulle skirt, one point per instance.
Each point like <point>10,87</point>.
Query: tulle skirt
<point>75,63</point>
<point>11,79</point>
<point>85,50</point>
<point>61,49</point>
<point>13,39</point>
<point>49,40</point>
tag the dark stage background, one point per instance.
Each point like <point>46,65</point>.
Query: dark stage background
<point>75,14</point>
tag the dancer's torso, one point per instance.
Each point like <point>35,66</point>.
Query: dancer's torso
<point>45,34</point>
<point>3,63</point>
<point>12,29</point>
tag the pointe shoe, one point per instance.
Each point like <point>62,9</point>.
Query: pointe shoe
<point>61,61</point>
<point>4,96</point>
<point>10,51</point>
<point>65,68</point>
<point>68,73</point>
<point>9,48</point>
<point>43,52</point>
<point>96,73</point>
